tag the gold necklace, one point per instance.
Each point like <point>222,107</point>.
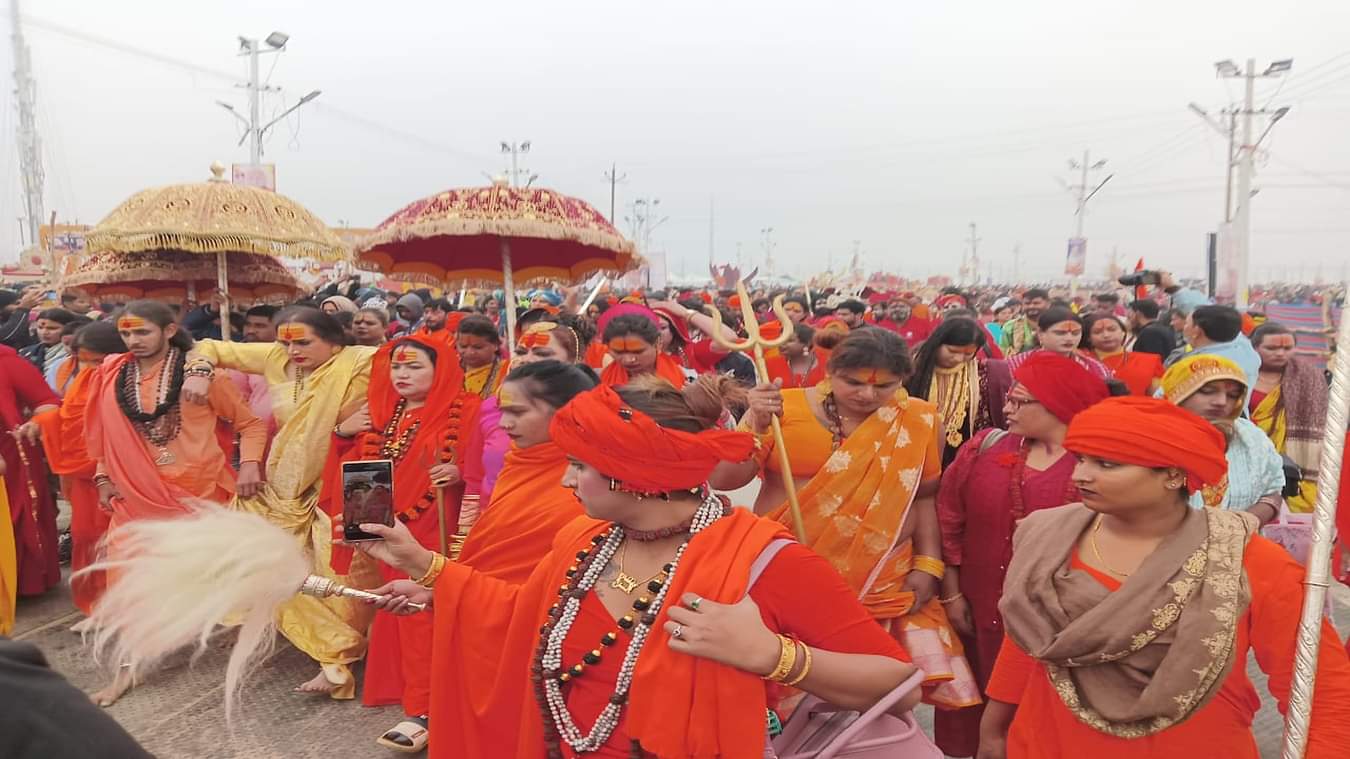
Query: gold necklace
<point>952,399</point>
<point>624,582</point>
<point>1092,538</point>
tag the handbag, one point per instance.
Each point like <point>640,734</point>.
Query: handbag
<point>819,730</point>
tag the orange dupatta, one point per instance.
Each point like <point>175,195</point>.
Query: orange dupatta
<point>679,706</point>
<point>529,506</point>
<point>63,429</point>
<point>144,494</point>
<point>854,510</point>
<point>667,367</point>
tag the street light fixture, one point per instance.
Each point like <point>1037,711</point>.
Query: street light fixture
<point>1279,67</point>
<point>277,40</point>
<point>1227,68</point>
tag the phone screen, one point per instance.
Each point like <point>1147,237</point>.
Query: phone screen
<point>367,497</point>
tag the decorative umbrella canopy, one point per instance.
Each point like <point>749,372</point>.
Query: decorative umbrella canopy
<point>457,234</point>
<point>179,276</point>
<point>214,217</point>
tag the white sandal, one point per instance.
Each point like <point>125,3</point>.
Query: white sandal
<point>408,737</point>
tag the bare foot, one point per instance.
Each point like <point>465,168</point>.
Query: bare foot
<point>319,684</point>
<point>109,695</point>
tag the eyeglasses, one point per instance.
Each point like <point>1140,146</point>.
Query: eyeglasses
<point>1017,403</point>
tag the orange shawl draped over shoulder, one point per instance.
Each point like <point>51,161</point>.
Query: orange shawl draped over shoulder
<point>854,510</point>
<point>63,429</point>
<point>529,506</point>
<point>680,707</point>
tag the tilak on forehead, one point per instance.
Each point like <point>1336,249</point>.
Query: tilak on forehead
<point>628,344</point>
<point>130,321</point>
<point>405,353</point>
<point>533,340</point>
<point>873,376</point>
<point>294,331</point>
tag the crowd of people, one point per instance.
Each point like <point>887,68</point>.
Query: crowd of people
<point>1040,516</point>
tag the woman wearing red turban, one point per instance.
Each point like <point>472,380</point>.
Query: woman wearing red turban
<point>1130,616</point>
<point>996,480</point>
<point>639,633</point>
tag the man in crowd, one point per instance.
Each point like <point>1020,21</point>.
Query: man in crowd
<point>1019,334</point>
<point>1148,334</point>
<point>1217,330</point>
<point>15,330</point>
<point>1105,304</point>
<point>851,311</point>
<point>258,327</point>
<point>899,319</point>
<point>48,351</point>
<point>77,302</point>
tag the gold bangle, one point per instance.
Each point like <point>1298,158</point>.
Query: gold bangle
<point>952,599</point>
<point>930,566</point>
<point>433,571</point>
<point>787,659</point>
<point>456,544</point>
<point>806,666</point>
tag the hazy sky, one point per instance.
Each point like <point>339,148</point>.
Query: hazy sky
<point>895,124</point>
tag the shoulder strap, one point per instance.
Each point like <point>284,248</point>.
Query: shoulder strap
<point>762,561</point>
<point>992,439</point>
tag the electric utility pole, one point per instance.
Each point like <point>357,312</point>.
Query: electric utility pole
<point>974,256</point>
<point>255,129</point>
<point>1083,195</point>
<point>612,176</point>
<point>26,131</point>
<point>768,244</point>
<point>516,151</point>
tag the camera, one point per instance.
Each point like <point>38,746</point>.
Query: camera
<point>1137,278</point>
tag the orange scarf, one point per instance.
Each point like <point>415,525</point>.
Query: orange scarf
<point>144,494</point>
<point>680,707</point>
<point>667,367</point>
<point>529,506</point>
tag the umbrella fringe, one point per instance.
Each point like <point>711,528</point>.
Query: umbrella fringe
<point>536,228</point>
<point>143,242</point>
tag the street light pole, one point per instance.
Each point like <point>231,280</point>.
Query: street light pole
<point>276,43</point>
<point>254,105</point>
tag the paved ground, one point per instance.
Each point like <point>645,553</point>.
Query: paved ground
<point>179,713</point>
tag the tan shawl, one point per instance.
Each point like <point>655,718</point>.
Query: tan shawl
<point>1136,661</point>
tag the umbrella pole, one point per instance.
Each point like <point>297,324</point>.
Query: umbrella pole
<point>223,284</point>
<point>1299,712</point>
<point>510,287</point>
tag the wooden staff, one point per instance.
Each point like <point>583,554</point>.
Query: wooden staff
<point>1318,576</point>
<point>429,461</point>
<point>754,344</point>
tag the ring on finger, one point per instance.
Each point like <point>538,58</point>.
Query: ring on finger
<point>693,604</point>
<point>678,632</point>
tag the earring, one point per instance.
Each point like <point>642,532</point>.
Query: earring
<point>1174,486</point>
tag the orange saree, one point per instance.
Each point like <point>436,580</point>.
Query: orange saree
<point>529,506</point>
<point>67,456</point>
<point>854,510</point>
<point>679,706</point>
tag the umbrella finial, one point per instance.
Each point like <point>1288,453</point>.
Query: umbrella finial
<point>217,171</point>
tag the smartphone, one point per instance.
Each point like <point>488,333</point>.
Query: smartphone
<point>367,497</point>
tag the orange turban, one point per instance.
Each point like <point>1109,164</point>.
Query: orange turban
<point>1151,432</point>
<point>1060,384</point>
<point>625,444</point>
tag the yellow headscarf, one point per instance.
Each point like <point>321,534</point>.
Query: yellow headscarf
<point>1193,372</point>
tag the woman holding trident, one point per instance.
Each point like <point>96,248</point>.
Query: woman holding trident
<point>869,456</point>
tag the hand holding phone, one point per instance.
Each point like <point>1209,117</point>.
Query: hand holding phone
<point>367,497</point>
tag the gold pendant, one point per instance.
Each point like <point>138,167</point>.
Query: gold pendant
<point>624,583</point>
<point>165,458</point>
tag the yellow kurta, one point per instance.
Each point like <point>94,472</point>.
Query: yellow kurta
<point>331,630</point>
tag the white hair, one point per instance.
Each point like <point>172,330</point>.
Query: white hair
<point>171,582</point>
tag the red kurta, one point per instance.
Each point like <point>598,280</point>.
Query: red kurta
<point>31,507</point>
<point>1222,729</point>
<point>975,510</point>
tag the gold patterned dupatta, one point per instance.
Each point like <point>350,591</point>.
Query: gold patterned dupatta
<point>854,510</point>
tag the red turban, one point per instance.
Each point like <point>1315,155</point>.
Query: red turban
<point>1060,384</point>
<point>1154,433</point>
<point>598,428</point>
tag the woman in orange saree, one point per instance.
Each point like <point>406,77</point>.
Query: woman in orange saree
<point>633,337</point>
<point>673,666</point>
<point>1105,337</point>
<point>62,435</point>
<point>866,456</point>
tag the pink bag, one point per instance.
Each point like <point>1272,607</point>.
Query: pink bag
<point>818,730</point>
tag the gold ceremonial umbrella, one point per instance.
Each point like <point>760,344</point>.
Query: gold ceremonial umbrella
<point>216,217</point>
<point>178,276</point>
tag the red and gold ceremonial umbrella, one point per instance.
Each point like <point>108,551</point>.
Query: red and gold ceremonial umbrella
<point>180,276</point>
<point>498,234</point>
<point>215,218</point>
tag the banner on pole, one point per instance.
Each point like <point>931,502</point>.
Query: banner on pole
<point>263,175</point>
<point>1076,261</point>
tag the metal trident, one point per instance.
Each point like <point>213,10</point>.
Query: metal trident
<point>754,344</point>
